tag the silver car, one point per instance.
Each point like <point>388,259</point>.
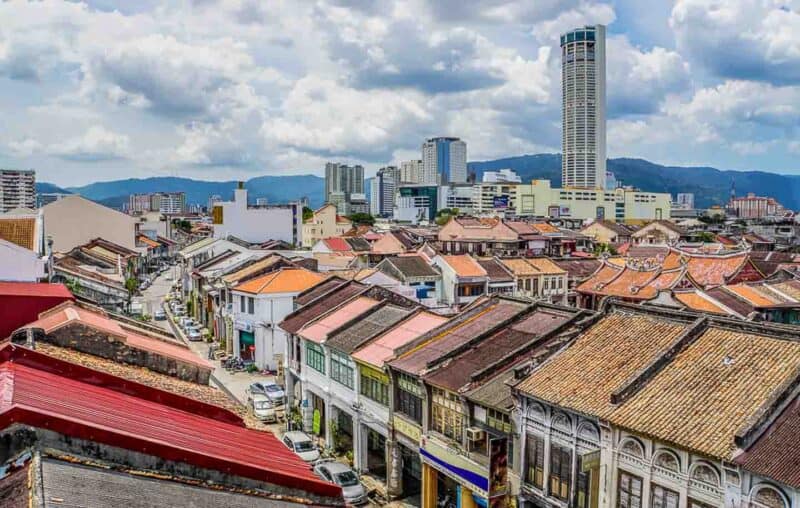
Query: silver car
<point>343,476</point>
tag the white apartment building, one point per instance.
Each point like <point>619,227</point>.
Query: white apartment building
<point>382,191</point>
<point>257,224</point>
<point>17,189</point>
<point>501,176</point>
<point>583,109</point>
<point>444,161</point>
<point>341,182</point>
<point>411,171</point>
<point>492,197</point>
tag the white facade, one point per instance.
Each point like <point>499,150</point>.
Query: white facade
<point>73,221</point>
<point>413,209</point>
<point>444,161</point>
<point>493,197</point>
<point>268,311</point>
<point>583,109</point>
<point>17,189</point>
<point>411,171</point>
<point>456,196</point>
<point>501,176</point>
<point>257,224</point>
<point>684,201</point>
<point>20,264</point>
<point>382,192</point>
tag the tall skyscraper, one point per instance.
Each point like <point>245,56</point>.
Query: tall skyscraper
<point>341,181</point>
<point>444,161</point>
<point>411,171</point>
<point>17,189</point>
<point>583,108</point>
<point>383,189</point>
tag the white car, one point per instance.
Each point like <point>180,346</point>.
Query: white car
<point>341,474</point>
<point>193,333</point>
<point>262,407</point>
<point>188,322</point>
<point>301,444</point>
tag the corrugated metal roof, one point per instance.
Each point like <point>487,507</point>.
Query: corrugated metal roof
<point>368,326</point>
<point>383,347</point>
<point>34,289</point>
<point>318,331</point>
<point>298,319</point>
<point>33,396</point>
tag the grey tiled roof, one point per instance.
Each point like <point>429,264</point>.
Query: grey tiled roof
<point>349,339</point>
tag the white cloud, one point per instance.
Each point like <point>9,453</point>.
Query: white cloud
<point>96,144</point>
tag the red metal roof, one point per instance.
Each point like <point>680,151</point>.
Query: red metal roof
<point>40,289</point>
<point>36,390</point>
<point>337,244</point>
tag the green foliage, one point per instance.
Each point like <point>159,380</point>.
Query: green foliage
<point>131,285</point>
<point>706,237</point>
<point>252,368</point>
<point>307,213</point>
<point>74,286</point>
<point>362,218</point>
<point>183,225</point>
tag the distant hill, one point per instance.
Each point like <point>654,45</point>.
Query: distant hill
<point>710,186</point>
<point>49,188</point>
<point>277,189</point>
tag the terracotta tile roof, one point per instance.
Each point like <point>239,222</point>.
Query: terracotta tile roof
<point>383,347</point>
<point>319,289</point>
<point>477,230</point>
<point>578,268</point>
<point>252,268</point>
<point>631,284</point>
<point>19,231</point>
<point>730,300</point>
<point>544,227</point>
<point>337,244</point>
<point>495,270</point>
<point>150,243</point>
<point>69,313</point>
<point>194,391</point>
<point>775,455</point>
<point>714,271</point>
<point>388,244</point>
<point>694,301</point>
<point>285,280</point>
<point>790,288</point>
<point>666,279</point>
<point>583,376</point>
<point>458,331</point>
<point>312,310</point>
<point>465,265</point>
<point>545,266</point>
<point>752,295</point>
<point>726,373</point>
<point>368,326</point>
<point>319,330</point>
<point>457,372</point>
<point>521,267</point>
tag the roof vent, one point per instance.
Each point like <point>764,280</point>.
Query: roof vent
<point>728,360</point>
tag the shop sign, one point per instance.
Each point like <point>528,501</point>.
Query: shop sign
<point>452,462</point>
<point>243,325</point>
<point>409,430</point>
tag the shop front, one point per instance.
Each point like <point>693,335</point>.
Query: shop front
<point>245,344</point>
<point>453,477</point>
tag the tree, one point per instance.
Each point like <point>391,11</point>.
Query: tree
<point>307,213</point>
<point>362,218</point>
<point>602,248</point>
<point>706,237</point>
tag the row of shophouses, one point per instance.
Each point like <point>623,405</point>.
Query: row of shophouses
<point>513,403</point>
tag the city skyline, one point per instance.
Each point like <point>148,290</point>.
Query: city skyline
<point>105,90</point>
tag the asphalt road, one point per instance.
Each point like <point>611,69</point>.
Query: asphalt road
<point>153,296</point>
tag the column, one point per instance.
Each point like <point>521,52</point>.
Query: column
<point>394,469</point>
<point>467,501</point>
<point>429,486</point>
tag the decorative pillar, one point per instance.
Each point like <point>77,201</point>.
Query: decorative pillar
<point>429,487</point>
<point>394,473</point>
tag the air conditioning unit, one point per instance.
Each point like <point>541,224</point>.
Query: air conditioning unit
<point>475,434</point>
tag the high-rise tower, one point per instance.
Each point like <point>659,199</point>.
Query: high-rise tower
<point>583,107</point>
<point>444,161</point>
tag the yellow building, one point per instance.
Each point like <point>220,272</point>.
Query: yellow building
<point>325,223</point>
<point>622,204</point>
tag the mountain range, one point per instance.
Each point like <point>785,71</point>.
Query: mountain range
<point>710,186</point>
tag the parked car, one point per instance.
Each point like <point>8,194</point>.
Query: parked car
<point>193,333</point>
<point>270,389</point>
<point>262,407</point>
<point>187,322</point>
<point>159,315</point>
<point>343,476</point>
<point>301,444</point>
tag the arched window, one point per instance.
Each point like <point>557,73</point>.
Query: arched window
<point>667,460</point>
<point>562,422</point>
<point>588,432</point>
<point>632,447</point>
<point>767,496</point>
<point>705,473</point>
<point>536,412</point>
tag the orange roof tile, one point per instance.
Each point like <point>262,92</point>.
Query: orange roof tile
<point>19,231</point>
<point>694,301</point>
<point>751,295</point>
<point>286,280</point>
<point>544,227</point>
<point>714,271</point>
<point>148,242</point>
<point>465,266</point>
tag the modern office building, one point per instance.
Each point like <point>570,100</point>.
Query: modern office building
<point>17,189</point>
<point>383,189</point>
<point>583,109</point>
<point>411,171</point>
<point>444,161</point>
<point>341,181</point>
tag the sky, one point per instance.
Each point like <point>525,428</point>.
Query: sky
<point>220,89</point>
